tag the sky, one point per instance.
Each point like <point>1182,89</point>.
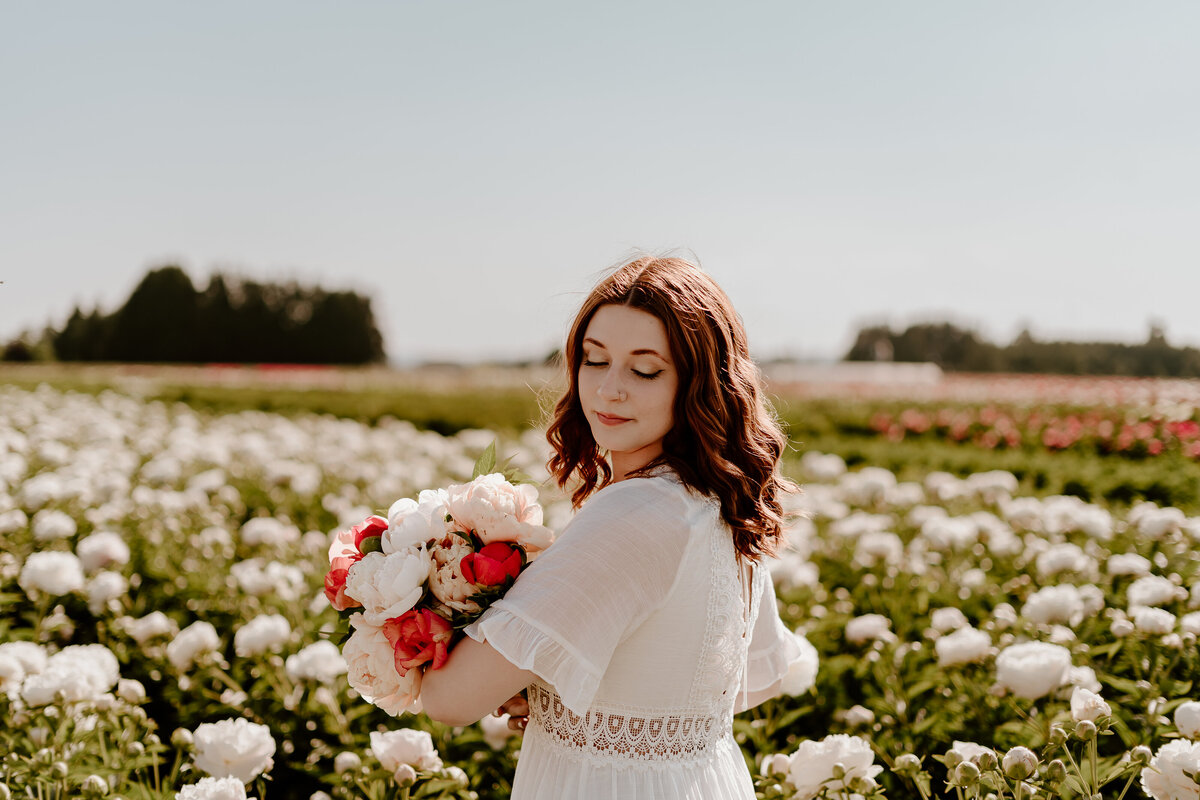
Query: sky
<point>475,166</point>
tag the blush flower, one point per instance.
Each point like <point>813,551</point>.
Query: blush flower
<point>497,511</point>
<point>371,669</point>
<point>446,579</point>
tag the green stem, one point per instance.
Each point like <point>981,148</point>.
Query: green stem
<point>1094,757</point>
<point>1128,783</point>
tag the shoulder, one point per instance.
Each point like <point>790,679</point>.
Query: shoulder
<point>635,507</point>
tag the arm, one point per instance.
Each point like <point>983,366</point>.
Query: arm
<point>474,681</point>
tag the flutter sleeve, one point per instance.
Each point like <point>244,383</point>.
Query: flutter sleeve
<point>774,650</point>
<point>612,566</point>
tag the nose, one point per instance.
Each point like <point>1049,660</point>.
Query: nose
<point>610,386</point>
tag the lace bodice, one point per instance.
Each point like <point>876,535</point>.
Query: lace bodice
<point>640,624</point>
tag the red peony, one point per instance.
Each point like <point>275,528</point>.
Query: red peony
<point>371,526</point>
<point>493,564</point>
<point>419,637</point>
<point>335,583</point>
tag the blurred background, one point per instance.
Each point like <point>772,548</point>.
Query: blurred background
<point>406,183</point>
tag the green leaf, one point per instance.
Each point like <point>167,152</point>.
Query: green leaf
<point>486,464</point>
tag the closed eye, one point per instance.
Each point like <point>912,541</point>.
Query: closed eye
<point>587,363</point>
<point>648,375</point>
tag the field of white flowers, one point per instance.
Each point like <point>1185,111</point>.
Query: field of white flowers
<point>161,609</point>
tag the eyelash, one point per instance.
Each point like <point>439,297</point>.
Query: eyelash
<point>643,375</point>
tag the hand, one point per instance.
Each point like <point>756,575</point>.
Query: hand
<point>517,708</point>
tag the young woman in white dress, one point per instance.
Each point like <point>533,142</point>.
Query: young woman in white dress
<point>651,621</point>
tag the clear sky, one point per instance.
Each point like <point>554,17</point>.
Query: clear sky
<point>474,165</point>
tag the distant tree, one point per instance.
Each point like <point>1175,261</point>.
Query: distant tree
<point>158,323</point>
<point>953,348</point>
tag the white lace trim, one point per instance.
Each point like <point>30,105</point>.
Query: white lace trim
<point>608,734</point>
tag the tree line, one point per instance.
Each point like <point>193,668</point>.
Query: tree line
<point>958,349</point>
<point>167,319</point>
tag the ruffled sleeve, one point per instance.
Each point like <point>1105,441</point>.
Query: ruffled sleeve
<point>612,566</point>
<point>773,647</point>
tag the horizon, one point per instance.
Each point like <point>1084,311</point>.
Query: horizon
<point>473,169</point>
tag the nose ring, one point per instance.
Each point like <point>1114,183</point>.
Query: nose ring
<point>621,395</point>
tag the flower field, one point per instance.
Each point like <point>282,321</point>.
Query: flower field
<point>162,603</point>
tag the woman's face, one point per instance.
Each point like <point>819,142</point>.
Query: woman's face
<point>627,385</point>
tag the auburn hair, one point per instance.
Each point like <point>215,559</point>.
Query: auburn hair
<point>725,440</point>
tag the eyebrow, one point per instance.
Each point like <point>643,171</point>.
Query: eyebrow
<point>642,352</point>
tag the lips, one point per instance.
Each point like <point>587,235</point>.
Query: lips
<point>611,419</point>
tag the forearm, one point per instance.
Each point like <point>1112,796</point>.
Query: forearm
<point>474,681</point>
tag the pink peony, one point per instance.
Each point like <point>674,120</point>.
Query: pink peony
<point>418,637</point>
<point>371,670</point>
<point>497,511</point>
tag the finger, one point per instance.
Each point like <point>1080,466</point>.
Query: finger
<point>518,723</point>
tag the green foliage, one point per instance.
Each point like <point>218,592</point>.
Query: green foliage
<point>961,350</point>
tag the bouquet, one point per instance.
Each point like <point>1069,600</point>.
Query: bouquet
<point>407,585</point>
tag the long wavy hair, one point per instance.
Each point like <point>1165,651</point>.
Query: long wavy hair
<point>725,441</point>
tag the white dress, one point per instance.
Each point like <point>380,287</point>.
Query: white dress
<point>644,637</point>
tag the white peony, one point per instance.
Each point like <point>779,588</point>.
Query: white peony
<point>194,641</point>
<point>1190,623</point>
<point>49,524</point>
<point>496,731</point>
<point>970,751</point>
<point>414,523</point>
<point>52,572</point>
<point>1054,604</point>
<point>1187,719</point>
<point>1127,564</point>
<point>944,620</point>
<point>868,627</point>
<point>213,789</point>
<point>498,511</point>
<point>12,673</point>
<point>963,646</point>
<point>802,672</point>
<point>811,767</point>
<point>269,531</point>
<point>1088,705</point>
<point>1153,620</point>
<point>1032,669</point>
<point>153,624</point>
<point>1063,557</point>
<point>102,549</point>
<point>235,748</point>
<point>1153,590</point>
<point>264,632</point>
<point>1164,778</point>
<point>405,746</point>
<point>371,670</point>
<point>388,585</point>
<point>320,661</point>
<point>105,586</point>
<point>31,656</point>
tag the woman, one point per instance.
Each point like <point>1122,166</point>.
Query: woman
<point>649,623</point>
